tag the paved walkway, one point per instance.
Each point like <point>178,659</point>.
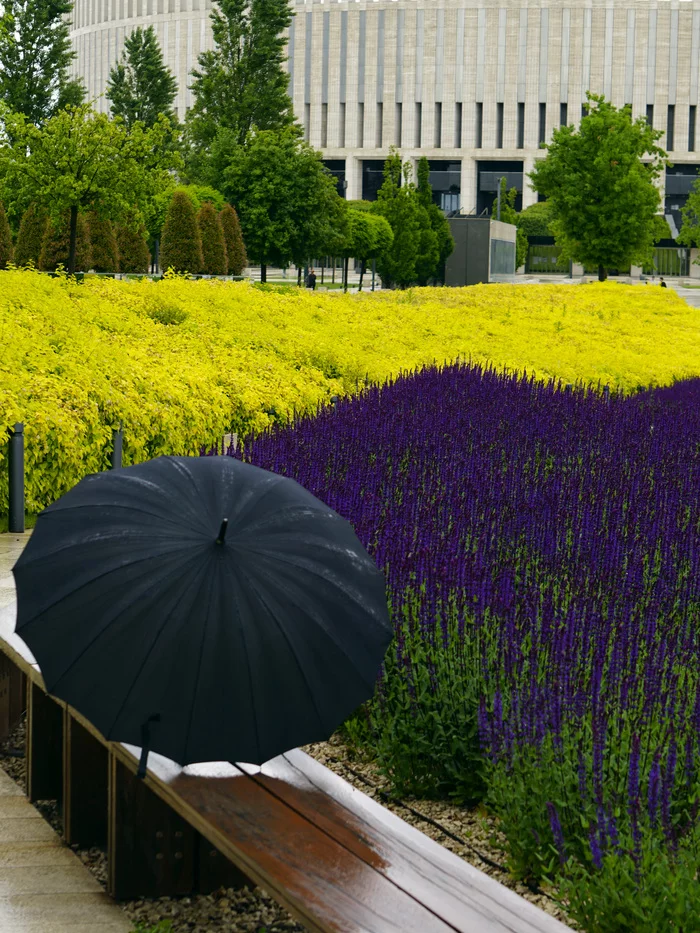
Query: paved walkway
<point>44,887</point>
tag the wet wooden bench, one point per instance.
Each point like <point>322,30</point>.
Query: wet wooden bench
<point>336,859</point>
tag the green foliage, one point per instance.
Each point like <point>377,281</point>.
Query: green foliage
<point>35,58</point>
<point>181,243</point>
<point>431,263</point>
<point>164,926</point>
<point>55,246</point>
<point>132,247</point>
<point>6,251</point>
<point>240,84</point>
<point>141,86</point>
<point>31,236</point>
<point>690,227</point>
<point>398,204</point>
<point>286,200</point>
<point>103,242</point>
<point>509,215</point>
<point>536,219</point>
<point>235,248</point>
<point>602,193</point>
<point>214,258</point>
<point>81,160</point>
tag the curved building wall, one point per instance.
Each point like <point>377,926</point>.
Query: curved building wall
<point>475,85</point>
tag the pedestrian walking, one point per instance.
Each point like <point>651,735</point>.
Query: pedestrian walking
<point>662,283</point>
<point>311,280</point>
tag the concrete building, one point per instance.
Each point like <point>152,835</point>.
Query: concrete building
<point>474,85</point>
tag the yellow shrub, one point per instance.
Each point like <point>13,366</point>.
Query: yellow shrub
<point>180,363</point>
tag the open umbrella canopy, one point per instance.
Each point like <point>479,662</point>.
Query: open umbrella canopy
<point>222,607</point>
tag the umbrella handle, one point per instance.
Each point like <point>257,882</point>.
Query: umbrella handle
<point>145,745</point>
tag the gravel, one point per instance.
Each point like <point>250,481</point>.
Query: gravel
<point>470,833</point>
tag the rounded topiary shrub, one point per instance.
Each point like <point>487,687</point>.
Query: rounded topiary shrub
<point>235,248</point>
<point>105,255</point>
<point>180,242</point>
<point>134,256</point>
<point>214,261</point>
<point>55,247</point>
<point>30,236</point>
<point>5,240</point>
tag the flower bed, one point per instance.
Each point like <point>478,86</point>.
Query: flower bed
<point>542,552</point>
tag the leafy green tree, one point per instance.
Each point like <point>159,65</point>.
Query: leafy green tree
<point>6,251</point>
<point>103,244</point>
<point>80,161</point>
<point>398,204</point>
<point>431,264</point>
<point>602,193</point>
<point>690,226</point>
<point>131,235</point>
<point>30,236</point>
<point>35,58</point>
<point>56,245</point>
<point>235,248</point>
<point>536,220</point>
<point>181,243</point>
<point>141,86</point>
<point>240,84</point>
<point>369,236</point>
<point>214,258</point>
<point>286,199</point>
<point>509,215</point>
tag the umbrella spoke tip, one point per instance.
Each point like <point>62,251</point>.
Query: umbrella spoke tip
<point>222,531</point>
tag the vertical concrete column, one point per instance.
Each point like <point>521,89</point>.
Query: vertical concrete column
<point>529,196</point>
<point>468,185</point>
<point>353,176</point>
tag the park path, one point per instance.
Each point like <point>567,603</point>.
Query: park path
<point>44,887</point>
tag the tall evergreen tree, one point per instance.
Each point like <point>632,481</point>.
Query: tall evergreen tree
<point>141,86</point>
<point>55,248</point>
<point>235,248</point>
<point>240,84</point>
<point>131,243</point>
<point>30,236</point>
<point>398,203</point>
<point>181,243</point>
<point>435,249</point>
<point>35,58</point>
<point>6,252</point>
<point>214,258</point>
<point>103,243</point>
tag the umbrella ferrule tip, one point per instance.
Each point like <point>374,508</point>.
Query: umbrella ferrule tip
<point>222,531</point>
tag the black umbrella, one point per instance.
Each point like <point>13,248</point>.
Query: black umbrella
<point>202,607</point>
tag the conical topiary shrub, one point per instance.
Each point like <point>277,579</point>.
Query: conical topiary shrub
<point>30,236</point>
<point>5,239</point>
<point>134,256</point>
<point>214,261</point>
<point>56,245</point>
<point>235,248</point>
<point>103,243</point>
<point>180,242</point>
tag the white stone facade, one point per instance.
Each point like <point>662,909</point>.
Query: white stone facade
<point>460,81</point>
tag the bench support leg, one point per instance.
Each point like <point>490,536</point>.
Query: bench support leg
<point>44,746</point>
<point>13,687</point>
<point>85,780</point>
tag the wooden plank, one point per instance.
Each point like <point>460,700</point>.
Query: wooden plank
<point>44,746</point>
<point>213,870</point>
<point>85,784</point>
<point>12,702</point>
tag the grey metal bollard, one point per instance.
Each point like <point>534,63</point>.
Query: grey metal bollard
<point>117,441</point>
<point>16,476</point>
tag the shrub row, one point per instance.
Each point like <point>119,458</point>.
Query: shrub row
<point>208,242</point>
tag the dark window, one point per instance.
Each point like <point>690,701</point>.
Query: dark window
<point>307,121</point>
<point>360,126</point>
<point>650,114</point>
<point>670,127</point>
<point>438,126</point>
<point>479,125</point>
<point>341,139</point>
<point>499,126</point>
<point>584,110</point>
<point>691,128</point>
<point>521,126</point>
<point>543,124</point>
<point>563,114</point>
<point>337,168</point>
<point>380,125</point>
<point>419,122</point>
<point>458,125</point>
<point>399,124</point>
<point>324,126</point>
<point>372,178</point>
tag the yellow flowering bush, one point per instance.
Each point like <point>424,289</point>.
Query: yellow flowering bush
<point>180,363</point>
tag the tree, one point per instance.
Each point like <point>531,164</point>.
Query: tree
<point>181,243</point>
<point>35,58</point>
<point>240,84</point>
<point>131,243</point>
<point>103,243</point>
<point>369,236</point>
<point>235,248</point>
<point>141,86</point>
<point>30,236</point>
<point>286,200</point>
<point>509,215</point>
<point>536,220</point>
<point>81,160</point>
<point>6,251</point>
<point>602,193</point>
<point>434,250</point>
<point>214,258</point>
<point>56,244</point>
<point>398,203</point>
<point>690,213</point>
